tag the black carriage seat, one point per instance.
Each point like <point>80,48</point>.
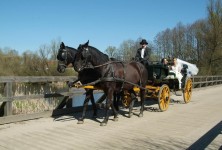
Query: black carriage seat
<point>171,75</point>
<point>157,71</point>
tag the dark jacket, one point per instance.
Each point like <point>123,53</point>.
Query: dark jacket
<point>138,55</point>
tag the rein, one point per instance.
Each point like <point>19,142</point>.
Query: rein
<point>111,79</point>
<point>110,62</point>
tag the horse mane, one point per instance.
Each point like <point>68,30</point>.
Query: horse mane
<point>99,55</point>
<point>71,48</point>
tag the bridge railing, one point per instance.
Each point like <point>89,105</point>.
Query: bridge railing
<point>203,81</point>
<point>8,96</point>
<point>65,105</point>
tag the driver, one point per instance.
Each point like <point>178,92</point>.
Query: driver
<point>142,54</point>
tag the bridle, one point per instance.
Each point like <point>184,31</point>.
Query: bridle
<point>64,55</point>
<point>85,64</point>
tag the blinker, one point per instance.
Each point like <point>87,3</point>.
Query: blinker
<point>64,55</point>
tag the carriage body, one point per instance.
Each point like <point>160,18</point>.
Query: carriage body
<point>162,83</point>
<point>159,75</point>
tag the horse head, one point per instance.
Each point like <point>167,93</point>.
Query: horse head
<point>65,57</point>
<point>88,57</point>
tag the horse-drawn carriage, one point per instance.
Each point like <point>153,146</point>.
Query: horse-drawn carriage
<point>161,84</point>
<point>98,72</point>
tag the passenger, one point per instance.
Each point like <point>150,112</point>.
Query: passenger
<point>164,62</point>
<point>142,54</point>
<point>177,70</point>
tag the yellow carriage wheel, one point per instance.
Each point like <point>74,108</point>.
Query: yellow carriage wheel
<point>126,99</point>
<point>187,91</point>
<point>164,97</point>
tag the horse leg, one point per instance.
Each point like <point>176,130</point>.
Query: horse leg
<point>85,104</point>
<point>115,112</point>
<point>133,97</point>
<point>116,98</point>
<point>109,103</point>
<point>142,96</point>
<point>93,104</point>
<point>105,120</point>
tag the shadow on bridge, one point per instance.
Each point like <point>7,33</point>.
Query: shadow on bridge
<point>207,138</point>
<point>150,105</point>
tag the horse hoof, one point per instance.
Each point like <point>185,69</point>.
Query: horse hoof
<point>140,115</point>
<point>80,122</point>
<point>115,119</point>
<point>130,115</point>
<point>103,124</point>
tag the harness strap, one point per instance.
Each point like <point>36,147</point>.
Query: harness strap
<point>111,79</point>
<point>140,76</point>
<point>124,73</point>
<point>110,62</point>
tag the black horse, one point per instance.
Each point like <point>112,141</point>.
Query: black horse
<point>66,56</point>
<point>115,76</point>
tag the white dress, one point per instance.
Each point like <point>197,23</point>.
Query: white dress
<point>177,70</point>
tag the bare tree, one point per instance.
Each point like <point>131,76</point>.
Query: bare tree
<point>127,48</point>
<point>112,51</point>
<point>214,36</point>
<point>54,47</point>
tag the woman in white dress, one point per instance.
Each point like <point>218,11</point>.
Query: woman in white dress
<point>176,68</point>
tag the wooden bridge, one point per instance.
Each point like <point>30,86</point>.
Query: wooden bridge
<point>196,125</point>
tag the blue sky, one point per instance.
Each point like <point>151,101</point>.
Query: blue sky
<point>28,24</point>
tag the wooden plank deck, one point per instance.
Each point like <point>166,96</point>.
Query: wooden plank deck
<point>196,125</point>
